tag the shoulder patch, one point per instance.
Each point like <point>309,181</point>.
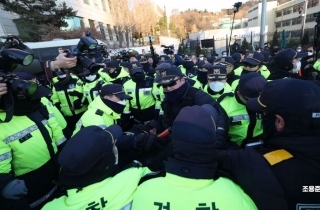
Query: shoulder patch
<point>277,156</point>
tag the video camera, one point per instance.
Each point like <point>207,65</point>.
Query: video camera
<point>124,55</point>
<point>169,50</point>
<point>86,48</point>
<point>13,53</point>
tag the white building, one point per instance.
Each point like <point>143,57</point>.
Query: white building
<point>255,13</point>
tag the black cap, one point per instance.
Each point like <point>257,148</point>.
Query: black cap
<point>190,146</point>
<point>283,59</point>
<point>166,61</point>
<point>112,64</point>
<point>168,73</point>
<point>114,89</point>
<point>226,61</point>
<point>217,72</point>
<point>125,64</point>
<point>41,91</point>
<point>236,57</point>
<point>163,58</point>
<point>88,156</point>
<point>161,67</point>
<point>202,63</point>
<point>251,84</point>
<point>212,59</point>
<point>142,58</point>
<point>135,67</point>
<point>253,58</point>
<point>288,97</point>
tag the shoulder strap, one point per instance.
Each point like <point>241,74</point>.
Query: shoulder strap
<point>224,95</point>
<point>152,175</point>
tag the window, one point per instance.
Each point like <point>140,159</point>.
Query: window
<point>96,4</point>
<point>255,18</point>
<point>279,13</point>
<point>110,32</point>
<point>278,24</point>
<point>103,5</point>
<point>73,23</point>
<point>310,18</point>
<point>296,21</point>
<point>295,33</point>
<point>254,8</point>
<point>102,30</point>
<point>250,11</point>
<point>313,3</point>
<point>86,2</point>
<point>297,8</point>
<point>286,23</point>
<point>287,11</point>
<point>91,23</point>
<point>116,32</point>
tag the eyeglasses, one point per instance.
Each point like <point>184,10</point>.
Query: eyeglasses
<point>249,65</point>
<point>173,83</point>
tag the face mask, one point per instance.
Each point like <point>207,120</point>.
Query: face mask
<point>115,73</point>
<point>177,94</point>
<point>224,55</point>
<point>216,86</point>
<point>269,128</point>
<point>138,77</point>
<point>62,76</point>
<point>188,64</point>
<point>24,106</point>
<point>116,107</point>
<point>299,50</point>
<point>122,102</point>
<point>310,53</point>
<point>91,77</point>
<point>298,67</point>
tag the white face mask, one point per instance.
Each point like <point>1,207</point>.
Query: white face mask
<point>216,86</point>
<point>224,55</point>
<point>298,50</point>
<point>91,77</point>
<point>62,76</point>
<point>310,53</point>
<point>122,102</point>
<point>297,68</point>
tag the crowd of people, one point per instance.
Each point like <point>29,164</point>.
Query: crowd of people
<point>171,132</point>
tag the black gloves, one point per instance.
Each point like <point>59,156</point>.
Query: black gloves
<point>75,93</point>
<point>223,121</point>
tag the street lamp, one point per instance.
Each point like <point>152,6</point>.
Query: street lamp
<point>236,7</point>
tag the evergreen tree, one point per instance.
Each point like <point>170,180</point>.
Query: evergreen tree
<point>36,14</point>
<point>275,39</point>
<point>245,45</point>
<point>163,23</point>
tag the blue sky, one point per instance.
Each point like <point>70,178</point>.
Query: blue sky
<point>210,5</point>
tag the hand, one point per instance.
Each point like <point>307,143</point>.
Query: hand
<point>64,62</point>
<point>15,190</point>
<point>3,88</point>
<point>314,74</point>
<point>307,66</point>
<point>310,59</point>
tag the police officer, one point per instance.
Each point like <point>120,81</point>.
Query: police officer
<point>29,143</point>
<point>142,106</point>
<point>67,94</point>
<point>92,85</point>
<point>192,170</point>
<point>106,109</point>
<point>253,62</point>
<point>148,70</point>
<point>284,63</point>
<point>217,82</point>
<point>246,125</point>
<point>228,62</point>
<point>113,73</point>
<point>179,93</point>
<point>203,67</point>
<point>285,170</point>
<point>88,165</point>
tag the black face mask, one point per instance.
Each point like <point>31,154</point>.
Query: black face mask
<point>188,64</point>
<point>202,76</point>
<point>145,66</point>
<point>115,73</point>
<point>24,106</point>
<point>116,107</point>
<point>177,94</point>
<point>269,128</point>
<point>138,77</point>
